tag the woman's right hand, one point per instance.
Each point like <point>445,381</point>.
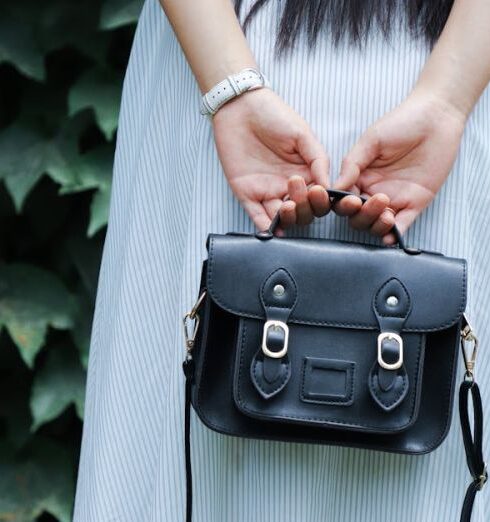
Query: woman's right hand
<point>268,151</point>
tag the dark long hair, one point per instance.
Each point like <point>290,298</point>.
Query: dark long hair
<point>353,19</point>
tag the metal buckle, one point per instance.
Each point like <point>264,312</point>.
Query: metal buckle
<point>284,350</point>
<point>192,316</point>
<point>390,335</point>
<point>482,479</point>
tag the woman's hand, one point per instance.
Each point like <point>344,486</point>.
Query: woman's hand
<point>407,155</point>
<point>268,151</point>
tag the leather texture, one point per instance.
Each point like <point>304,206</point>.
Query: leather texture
<point>336,298</point>
<point>336,280</point>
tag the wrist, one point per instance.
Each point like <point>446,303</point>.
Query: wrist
<point>443,79</point>
<point>443,99</point>
<point>248,103</point>
<point>221,70</point>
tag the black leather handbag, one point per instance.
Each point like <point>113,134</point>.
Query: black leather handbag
<point>331,342</point>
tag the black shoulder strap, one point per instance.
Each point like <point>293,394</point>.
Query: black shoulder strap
<point>473,443</point>
<point>188,367</point>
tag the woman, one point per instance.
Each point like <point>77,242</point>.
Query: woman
<point>358,101</point>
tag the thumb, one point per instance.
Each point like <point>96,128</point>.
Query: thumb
<point>315,156</point>
<point>364,152</point>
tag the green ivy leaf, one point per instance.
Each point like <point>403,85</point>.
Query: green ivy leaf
<point>41,479</point>
<point>22,161</point>
<point>82,18</point>
<point>85,254</point>
<point>59,383</point>
<point>116,13</point>
<point>14,407</point>
<point>19,47</point>
<point>100,90</point>
<point>31,299</point>
<point>25,155</point>
<point>99,211</point>
<point>94,171</point>
<point>57,24</point>
<point>82,330</point>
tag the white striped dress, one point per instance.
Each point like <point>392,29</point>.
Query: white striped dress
<point>169,192</point>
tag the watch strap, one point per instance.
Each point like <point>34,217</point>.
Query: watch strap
<point>232,86</point>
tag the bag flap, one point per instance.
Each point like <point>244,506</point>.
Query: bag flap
<point>336,280</point>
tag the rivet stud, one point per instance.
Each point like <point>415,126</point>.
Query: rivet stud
<point>279,290</point>
<point>392,300</point>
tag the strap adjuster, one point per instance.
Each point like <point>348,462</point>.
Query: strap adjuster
<point>275,325</point>
<point>394,337</point>
<point>482,479</point>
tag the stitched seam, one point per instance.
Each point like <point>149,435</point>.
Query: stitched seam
<point>448,397</point>
<point>265,305</point>
<point>406,314</point>
<point>380,398</point>
<point>257,383</point>
<point>348,398</point>
<point>299,320</point>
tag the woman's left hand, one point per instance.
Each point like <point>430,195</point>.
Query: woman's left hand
<point>407,155</point>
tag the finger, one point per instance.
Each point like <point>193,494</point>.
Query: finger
<point>364,152</point>
<point>287,213</point>
<point>258,214</point>
<point>369,212</point>
<point>319,200</point>
<point>279,232</point>
<point>403,220</point>
<point>272,207</point>
<point>299,194</point>
<point>347,206</point>
<point>383,224</point>
<point>389,239</point>
<point>315,156</point>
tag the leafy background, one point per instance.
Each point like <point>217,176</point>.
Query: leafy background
<point>61,70</point>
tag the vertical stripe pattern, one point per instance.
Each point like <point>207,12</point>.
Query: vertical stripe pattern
<point>169,192</point>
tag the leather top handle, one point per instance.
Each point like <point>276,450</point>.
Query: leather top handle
<point>336,195</point>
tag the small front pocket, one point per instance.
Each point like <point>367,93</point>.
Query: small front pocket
<point>327,381</point>
<point>330,379</point>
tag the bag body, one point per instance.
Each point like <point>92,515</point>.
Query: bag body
<point>322,341</point>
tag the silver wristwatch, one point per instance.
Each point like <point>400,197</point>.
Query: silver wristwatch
<point>232,86</point>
